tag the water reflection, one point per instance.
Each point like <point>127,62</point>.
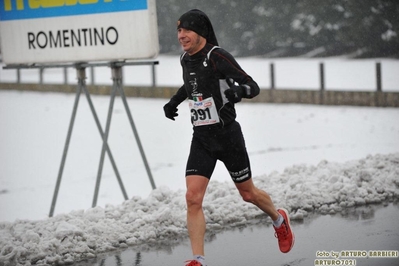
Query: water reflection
<point>138,259</point>
<point>141,255</point>
<point>115,260</point>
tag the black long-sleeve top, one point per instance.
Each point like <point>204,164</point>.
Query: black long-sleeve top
<point>205,74</point>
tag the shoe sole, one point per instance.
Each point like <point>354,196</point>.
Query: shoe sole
<point>289,223</point>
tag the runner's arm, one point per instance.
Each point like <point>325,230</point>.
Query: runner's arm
<point>170,108</point>
<point>179,97</point>
<point>228,66</point>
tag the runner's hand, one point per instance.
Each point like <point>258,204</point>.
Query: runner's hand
<point>170,111</point>
<point>234,94</point>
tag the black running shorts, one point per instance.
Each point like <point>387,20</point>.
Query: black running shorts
<point>226,144</point>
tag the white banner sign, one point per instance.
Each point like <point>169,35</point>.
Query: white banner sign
<point>49,31</point>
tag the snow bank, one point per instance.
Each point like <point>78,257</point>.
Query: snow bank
<point>325,188</point>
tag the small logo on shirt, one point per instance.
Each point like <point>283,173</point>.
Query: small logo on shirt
<point>194,84</point>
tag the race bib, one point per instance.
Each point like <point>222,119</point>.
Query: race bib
<point>203,112</point>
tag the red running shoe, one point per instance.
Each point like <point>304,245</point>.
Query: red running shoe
<point>284,233</point>
<point>193,263</point>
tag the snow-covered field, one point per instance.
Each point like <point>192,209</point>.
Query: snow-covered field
<point>321,158</point>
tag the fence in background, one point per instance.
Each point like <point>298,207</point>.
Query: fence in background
<point>65,75</point>
<point>272,95</point>
<point>322,76</point>
<point>153,75</point>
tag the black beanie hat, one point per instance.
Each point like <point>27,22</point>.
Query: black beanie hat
<point>198,21</point>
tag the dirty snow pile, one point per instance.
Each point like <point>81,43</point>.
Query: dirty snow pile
<point>325,188</point>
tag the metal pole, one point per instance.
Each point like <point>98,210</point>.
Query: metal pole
<point>65,75</point>
<point>105,139</point>
<point>18,75</point>
<point>322,85</point>
<point>272,76</point>
<point>92,75</point>
<point>111,157</point>
<point>153,76</point>
<point>123,96</point>
<point>378,73</point>
<point>81,74</point>
<point>41,75</point>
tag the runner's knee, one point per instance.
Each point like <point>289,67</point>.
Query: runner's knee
<point>193,199</point>
<point>247,196</point>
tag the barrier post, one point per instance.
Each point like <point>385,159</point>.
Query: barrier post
<point>81,75</point>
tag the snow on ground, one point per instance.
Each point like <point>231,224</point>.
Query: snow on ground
<point>326,188</point>
<point>309,158</point>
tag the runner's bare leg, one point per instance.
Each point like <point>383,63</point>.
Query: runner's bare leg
<point>258,197</point>
<point>196,188</point>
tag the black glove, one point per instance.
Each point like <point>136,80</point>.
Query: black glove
<point>170,110</point>
<point>234,94</point>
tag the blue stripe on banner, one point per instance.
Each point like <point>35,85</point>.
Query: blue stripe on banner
<point>30,9</point>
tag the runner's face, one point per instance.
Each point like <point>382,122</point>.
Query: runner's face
<point>190,41</point>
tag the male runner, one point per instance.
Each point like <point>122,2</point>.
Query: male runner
<point>213,83</point>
